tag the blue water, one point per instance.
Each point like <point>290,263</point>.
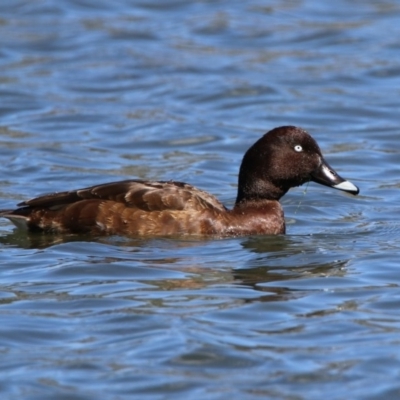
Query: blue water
<point>92,91</point>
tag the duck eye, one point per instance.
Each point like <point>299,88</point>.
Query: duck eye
<point>298,148</point>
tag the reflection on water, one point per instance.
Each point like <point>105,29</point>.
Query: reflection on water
<point>278,259</point>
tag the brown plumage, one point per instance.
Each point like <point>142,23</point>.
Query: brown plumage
<point>283,158</point>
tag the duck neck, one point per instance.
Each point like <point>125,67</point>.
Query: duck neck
<point>258,191</point>
<point>257,181</point>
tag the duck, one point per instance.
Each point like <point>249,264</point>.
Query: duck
<point>283,158</point>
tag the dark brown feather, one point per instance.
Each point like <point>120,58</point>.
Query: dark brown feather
<point>144,195</point>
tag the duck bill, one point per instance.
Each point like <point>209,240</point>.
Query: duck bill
<point>325,175</point>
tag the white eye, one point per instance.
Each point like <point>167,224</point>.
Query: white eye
<point>298,148</point>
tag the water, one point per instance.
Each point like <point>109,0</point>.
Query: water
<point>93,91</point>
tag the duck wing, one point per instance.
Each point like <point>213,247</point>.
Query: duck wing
<point>131,207</point>
<point>139,194</point>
